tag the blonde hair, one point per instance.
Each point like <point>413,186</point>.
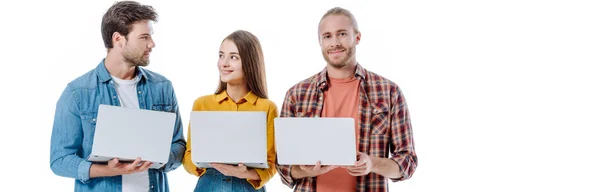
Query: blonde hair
<point>344,12</point>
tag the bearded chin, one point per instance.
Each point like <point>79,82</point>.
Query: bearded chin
<point>343,62</point>
<point>135,62</point>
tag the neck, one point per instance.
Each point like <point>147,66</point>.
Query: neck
<point>344,72</point>
<point>119,68</point>
<point>237,91</point>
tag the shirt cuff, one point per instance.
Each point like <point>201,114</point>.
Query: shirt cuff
<point>263,177</point>
<point>83,171</point>
<point>288,177</point>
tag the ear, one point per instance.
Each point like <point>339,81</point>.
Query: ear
<point>358,36</point>
<point>117,39</point>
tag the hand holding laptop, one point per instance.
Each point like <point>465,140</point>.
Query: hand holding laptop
<point>127,168</point>
<point>302,171</point>
<point>114,167</point>
<point>239,171</point>
<point>363,166</point>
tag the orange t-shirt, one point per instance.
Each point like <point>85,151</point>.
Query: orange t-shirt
<point>341,100</point>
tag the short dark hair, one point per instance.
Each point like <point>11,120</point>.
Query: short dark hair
<point>120,16</point>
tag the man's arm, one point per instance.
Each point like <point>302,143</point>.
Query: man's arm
<point>403,162</point>
<point>385,167</point>
<point>402,146</point>
<point>285,171</point>
<point>66,140</point>
<point>178,142</point>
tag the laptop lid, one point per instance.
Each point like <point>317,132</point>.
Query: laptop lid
<point>229,137</point>
<point>128,133</point>
<point>304,141</point>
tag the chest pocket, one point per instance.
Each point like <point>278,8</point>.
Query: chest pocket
<point>380,119</point>
<point>305,111</point>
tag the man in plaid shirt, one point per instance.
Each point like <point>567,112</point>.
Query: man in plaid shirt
<point>385,147</point>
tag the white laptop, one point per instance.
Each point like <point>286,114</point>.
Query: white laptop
<point>229,137</point>
<point>304,141</point>
<point>127,133</point>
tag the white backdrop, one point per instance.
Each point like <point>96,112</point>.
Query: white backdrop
<point>504,95</point>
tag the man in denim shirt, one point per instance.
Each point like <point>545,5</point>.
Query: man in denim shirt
<point>118,80</point>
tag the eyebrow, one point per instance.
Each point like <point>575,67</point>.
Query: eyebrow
<point>233,53</point>
<point>145,34</point>
<point>341,30</point>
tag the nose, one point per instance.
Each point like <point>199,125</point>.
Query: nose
<point>335,43</point>
<point>223,63</point>
<point>151,44</point>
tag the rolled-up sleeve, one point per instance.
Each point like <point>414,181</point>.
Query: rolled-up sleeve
<point>402,146</point>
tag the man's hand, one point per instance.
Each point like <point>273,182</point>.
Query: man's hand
<point>128,168</point>
<point>114,168</point>
<point>363,166</point>
<point>302,171</point>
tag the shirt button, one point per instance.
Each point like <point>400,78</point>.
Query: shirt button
<point>94,120</point>
<point>140,92</point>
<point>114,97</point>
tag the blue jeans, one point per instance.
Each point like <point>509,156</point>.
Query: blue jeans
<point>215,181</point>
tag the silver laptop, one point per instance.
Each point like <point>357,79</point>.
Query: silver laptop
<point>127,133</point>
<point>304,141</point>
<point>229,137</point>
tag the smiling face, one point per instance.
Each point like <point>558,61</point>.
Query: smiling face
<point>230,63</point>
<point>338,40</point>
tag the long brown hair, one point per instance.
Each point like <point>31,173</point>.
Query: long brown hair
<point>253,64</point>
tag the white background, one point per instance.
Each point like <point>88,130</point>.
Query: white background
<point>504,95</point>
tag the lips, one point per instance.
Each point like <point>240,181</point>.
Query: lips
<point>336,52</point>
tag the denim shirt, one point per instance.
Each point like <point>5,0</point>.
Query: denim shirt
<point>75,122</point>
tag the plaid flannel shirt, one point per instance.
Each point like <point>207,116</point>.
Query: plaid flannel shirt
<point>384,126</point>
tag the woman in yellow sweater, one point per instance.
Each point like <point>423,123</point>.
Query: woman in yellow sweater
<point>243,87</point>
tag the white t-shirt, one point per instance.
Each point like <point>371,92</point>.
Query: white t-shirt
<point>127,92</point>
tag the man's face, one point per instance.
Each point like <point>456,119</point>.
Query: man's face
<point>139,44</point>
<point>338,40</point>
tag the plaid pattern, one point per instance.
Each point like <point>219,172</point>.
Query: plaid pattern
<point>384,126</point>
